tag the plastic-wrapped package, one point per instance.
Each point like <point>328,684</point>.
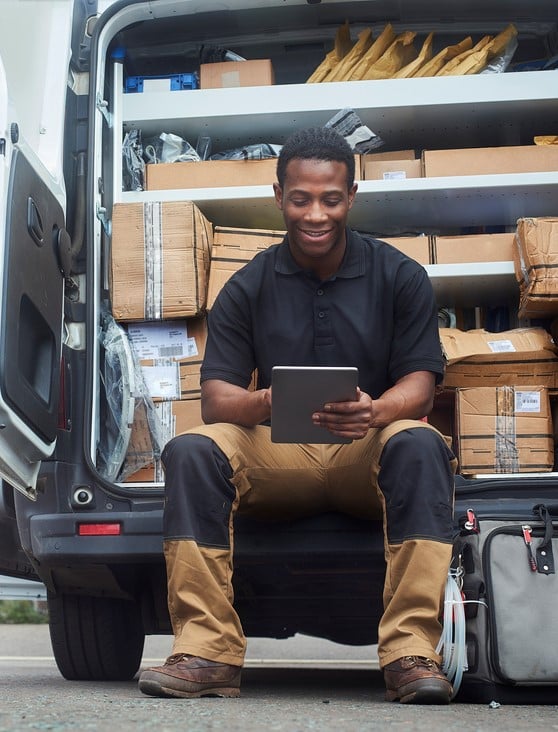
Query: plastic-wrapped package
<point>258,151</point>
<point>360,137</point>
<point>133,166</point>
<point>130,435</point>
<point>169,148</point>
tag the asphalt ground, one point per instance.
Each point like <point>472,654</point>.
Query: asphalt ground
<point>288,686</point>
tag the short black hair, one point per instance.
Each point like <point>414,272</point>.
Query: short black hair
<point>316,143</point>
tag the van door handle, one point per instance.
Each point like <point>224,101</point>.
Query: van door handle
<point>34,223</point>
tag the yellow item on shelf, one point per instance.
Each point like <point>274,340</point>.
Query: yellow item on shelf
<point>399,54</point>
<point>343,68</point>
<point>425,54</point>
<point>451,68</point>
<point>432,67</point>
<point>343,45</point>
<point>379,47</point>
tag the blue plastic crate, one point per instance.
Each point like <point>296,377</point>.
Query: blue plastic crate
<point>176,82</point>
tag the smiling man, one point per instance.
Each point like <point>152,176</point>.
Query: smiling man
<point>325,296</point>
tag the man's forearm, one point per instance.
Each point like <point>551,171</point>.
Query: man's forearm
<point>227,403</point>
<point>411,398</point>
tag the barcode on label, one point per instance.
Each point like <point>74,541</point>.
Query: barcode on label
<point>502,346</point>
<point>170,351</point>
<point>527,401</point>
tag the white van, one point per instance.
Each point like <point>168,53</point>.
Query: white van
<point>67,517</point>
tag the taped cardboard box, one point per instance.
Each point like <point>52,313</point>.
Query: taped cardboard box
<point>416,247</point>
<point>473,248</point>
<point>257,72</point>
<point>232,249</point>
<point>477,358</point>
<point>536,266</point>
<point>504,429</point>
<point>490,160</point>
<point>170,356</point>
<point>159,260</point>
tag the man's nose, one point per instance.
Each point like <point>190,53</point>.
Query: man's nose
<point>316,211</point>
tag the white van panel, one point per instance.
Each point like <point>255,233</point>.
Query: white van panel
<point>35,49</point>
<point>34,56</point>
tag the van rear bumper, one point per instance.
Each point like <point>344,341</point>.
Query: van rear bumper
<point>55,538</point>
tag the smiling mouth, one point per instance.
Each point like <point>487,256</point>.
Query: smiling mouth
<point>315,234</point>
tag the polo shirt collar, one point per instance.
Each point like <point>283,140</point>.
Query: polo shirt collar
<point>351,266</point>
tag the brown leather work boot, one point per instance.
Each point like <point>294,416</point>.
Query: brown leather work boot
<point>191,677</point>
<point>416,680</point>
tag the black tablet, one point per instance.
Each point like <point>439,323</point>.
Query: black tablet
<point>299,391</point>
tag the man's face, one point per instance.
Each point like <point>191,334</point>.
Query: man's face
<point>315,202</point>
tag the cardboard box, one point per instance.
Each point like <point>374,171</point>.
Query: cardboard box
<point>504,429</point>
<point>390,169</point>
<point>459,344</point>
<point>176,417</point>
<point>258,72</point>
<point>216,174</point>
<point>536,266</point>
<point>159,260</point>
<point>473,248</point>
<point>416,247</point>
<point>490,160</point>
<point>232,249</point>
<point>391,155</point>
<point>478,358</point>
<point>177,375</point>
<point>211,174</point>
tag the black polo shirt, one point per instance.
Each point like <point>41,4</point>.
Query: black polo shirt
<point>377,313</point>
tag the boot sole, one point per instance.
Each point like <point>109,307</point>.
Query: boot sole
<point>421,693</point>
<point>154,688</point>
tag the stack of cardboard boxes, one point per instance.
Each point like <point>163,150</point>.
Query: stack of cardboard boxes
<point>160,261</point>
<point>503,383</point>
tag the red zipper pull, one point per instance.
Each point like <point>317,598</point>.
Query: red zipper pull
<point>471,524</point>
<point>526,529</point>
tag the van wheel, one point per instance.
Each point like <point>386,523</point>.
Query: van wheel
<point>95,638</point>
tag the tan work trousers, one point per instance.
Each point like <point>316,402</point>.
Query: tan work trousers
<point>289,481</point>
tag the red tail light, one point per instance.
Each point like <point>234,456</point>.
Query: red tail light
<point>99,529</point>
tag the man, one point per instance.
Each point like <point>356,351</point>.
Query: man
<point>324,296</point>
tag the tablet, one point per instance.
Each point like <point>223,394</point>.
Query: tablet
<point>299,391</point>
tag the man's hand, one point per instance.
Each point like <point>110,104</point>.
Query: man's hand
<point>347,419</point>
<point>410,398</point>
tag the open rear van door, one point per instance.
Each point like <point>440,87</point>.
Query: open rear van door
<point>32,233</point>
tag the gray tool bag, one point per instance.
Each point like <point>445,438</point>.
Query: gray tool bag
<point>510,589</point>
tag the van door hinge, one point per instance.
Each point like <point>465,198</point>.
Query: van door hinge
<point>2,145</point>
<point>104,219</point>
<point>102,106</point>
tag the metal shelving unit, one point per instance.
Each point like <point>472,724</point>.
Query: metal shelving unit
<point>436,112</point>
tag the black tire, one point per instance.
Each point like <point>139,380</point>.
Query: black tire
<point>95,638</point>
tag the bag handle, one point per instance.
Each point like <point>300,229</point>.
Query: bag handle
<point>544,554</point>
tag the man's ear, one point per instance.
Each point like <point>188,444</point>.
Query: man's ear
<point>278,192</point>
<point>352,194</point>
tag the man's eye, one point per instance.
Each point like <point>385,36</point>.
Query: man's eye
<point>299,201</point>
<point>332,202</point>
